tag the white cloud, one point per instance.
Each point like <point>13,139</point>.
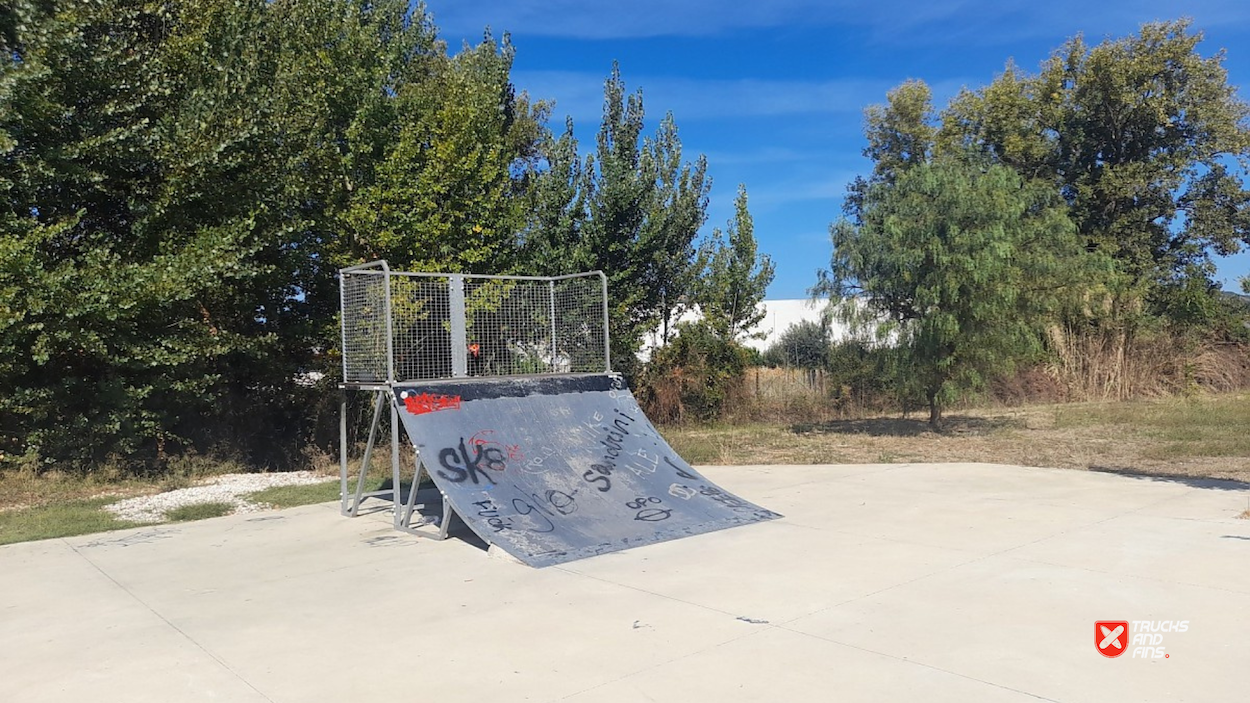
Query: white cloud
<point>776,193</point>
<point>580,95</point>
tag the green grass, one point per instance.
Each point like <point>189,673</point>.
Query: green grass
<point>311,494</point>
<point>295,496</point>
<point>1175,428</point>
<point>199,511</point>
<point>67,519</point>
<point>753,443</point>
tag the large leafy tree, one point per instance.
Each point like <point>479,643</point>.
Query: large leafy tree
<point>556,202</point>
<point>180,181</point>
<point>140,271</point>
<point>954,261</point>
<point>900,134</point>
<point>1148,144</point>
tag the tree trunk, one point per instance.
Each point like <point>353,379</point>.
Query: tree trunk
<point>935,411</point>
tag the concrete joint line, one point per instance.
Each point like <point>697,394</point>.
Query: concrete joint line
<point>175,628</point>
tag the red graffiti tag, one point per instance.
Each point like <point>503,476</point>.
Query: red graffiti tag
<point>484,439</point>
<point>428,402</point>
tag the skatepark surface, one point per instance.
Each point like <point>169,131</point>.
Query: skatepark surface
<point>952,582</point>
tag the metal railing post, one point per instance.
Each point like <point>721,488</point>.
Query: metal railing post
<point>607,340</point>
<point>459,335</point>
<point>390,332</point>
<point>343,324</point>
<point>551,291</point>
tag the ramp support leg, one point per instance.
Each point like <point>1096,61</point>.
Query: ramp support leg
<point>396,487</point>
<point>353,508</point>
<point>343,452</point>
<point>411,507</point>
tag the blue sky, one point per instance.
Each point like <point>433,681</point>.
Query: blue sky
<point>773,92</point>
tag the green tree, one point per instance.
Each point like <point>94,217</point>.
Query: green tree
<point>643,207</point>
<point>803,345</point>
<point>143,283</point>
<point>403,152</point>
<point>557,204</point>
<point>900,134</point>
<point>735,276</point>
<point>180,181</point>
<point>955,262</point>
<point>1147,142</point>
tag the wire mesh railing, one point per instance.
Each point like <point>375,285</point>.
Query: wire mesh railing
<point>401,326</point>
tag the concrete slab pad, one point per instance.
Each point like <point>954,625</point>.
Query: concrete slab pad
<point>1211,553</point>
<point>954,519</point>
<point>779,665</point>
<point>68,632</point>
<point>950,582</point>
<point>1030,627</point>
<point>750,572</point>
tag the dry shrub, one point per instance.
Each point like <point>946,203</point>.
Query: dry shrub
<point>791,395</point>
<point>1221,367</point>
<point>1113,365</point>
<point>1034,384</point>
<point>661,397</point>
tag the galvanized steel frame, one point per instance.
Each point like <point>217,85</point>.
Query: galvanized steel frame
<point>404,510</point>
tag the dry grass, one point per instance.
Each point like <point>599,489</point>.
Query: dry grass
<point>1110,365</point>
<point>22,489</point>
<point>50,505</point>
<point>1200,436</point>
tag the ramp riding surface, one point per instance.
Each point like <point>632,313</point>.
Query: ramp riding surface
<point>553,469</point>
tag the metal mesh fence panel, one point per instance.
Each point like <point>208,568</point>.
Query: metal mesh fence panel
<point>508,327</point>
<point>580,328</point>
<point>454,326</point>
<point>363,303</point>
<point>421,314</point>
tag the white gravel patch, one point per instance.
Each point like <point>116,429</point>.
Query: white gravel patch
<point>229,488</point>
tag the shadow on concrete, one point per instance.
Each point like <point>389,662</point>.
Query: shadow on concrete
<point>427,495</point>
<point>1215,484</point>
<point>909,427</point>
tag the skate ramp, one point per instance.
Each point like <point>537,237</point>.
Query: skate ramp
<point>557,468</point>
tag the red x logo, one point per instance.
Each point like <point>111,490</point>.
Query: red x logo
<point>1111,637</point>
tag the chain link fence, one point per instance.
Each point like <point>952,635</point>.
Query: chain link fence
<point>400,326</point>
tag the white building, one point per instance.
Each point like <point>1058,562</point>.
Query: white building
<point>779,316</point>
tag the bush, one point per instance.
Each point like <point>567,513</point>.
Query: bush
<point>695,377</point>
<point>804,345</point>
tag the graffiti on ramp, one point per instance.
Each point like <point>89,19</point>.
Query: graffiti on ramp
<point>553,469</point>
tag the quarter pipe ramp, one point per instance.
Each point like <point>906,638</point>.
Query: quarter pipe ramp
<point>556,468</point>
